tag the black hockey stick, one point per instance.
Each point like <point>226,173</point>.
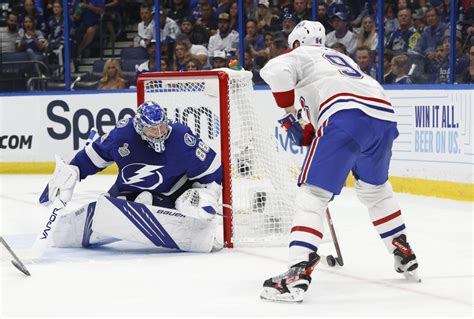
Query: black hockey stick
<point>16,261</point>
<point>330,258</point>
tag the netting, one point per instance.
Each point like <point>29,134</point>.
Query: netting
<point>263,178</point>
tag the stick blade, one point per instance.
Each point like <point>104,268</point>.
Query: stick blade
<point>340,261</point>
<point>15,261</point>
<point>21,267</point>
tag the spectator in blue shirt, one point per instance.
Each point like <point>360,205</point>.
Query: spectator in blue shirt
<point>179,10</point>
<point>441,9</point>
<point>87,15</point>
<point>195,7</point>
<point>253,39</point>
<point>432,35</point>
<point>363,58</point>
<point>55,26</point>
<point>208,17</point>
<point>442,71</point>
<point>32,10</point>
<point>461,61</point>
<point>31,40</point>
<point>390,22</point>
<point>405,37</point>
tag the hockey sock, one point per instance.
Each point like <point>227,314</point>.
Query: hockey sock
<point>306,235</point>
<point>389,224</point>
<point>384,210</point>
<point>307,228</point>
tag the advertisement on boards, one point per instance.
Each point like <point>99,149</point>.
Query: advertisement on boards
<point>436,135</point>
<point>435,141</point>
<point>34,128</point>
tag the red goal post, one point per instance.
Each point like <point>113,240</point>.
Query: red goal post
<point>258,181</point>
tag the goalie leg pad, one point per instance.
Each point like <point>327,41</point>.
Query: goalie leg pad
<point>384,210</point>
<point>308,223</point>
<point>70,229</point>
<point>153,226</point>
<point>74,229</point>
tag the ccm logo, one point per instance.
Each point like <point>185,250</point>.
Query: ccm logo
<point>16,141</point>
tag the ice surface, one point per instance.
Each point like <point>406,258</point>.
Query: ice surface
<point>129,280</point>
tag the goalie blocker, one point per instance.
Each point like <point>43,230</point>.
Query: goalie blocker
<point>112,219</point>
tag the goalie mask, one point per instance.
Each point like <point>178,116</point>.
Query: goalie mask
<point>308,33</point>
<point>152,125</point>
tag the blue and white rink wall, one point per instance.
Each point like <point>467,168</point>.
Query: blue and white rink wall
<point>433,155</point>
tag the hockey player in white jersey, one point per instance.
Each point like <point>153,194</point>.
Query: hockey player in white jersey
<point>351,127</point>
<point>166,192</point>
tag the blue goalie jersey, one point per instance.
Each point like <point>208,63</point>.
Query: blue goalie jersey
<point>186,158</point>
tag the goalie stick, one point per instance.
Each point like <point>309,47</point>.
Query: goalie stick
<point>15,261</point>
<point>330,258</point>
<point>43,239</point>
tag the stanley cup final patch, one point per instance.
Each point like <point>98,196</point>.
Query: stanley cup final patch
<point>189,140</point>
<point>123,150</point>
<point>123,122</point>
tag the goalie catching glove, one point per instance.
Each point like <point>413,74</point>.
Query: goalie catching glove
<point>298,130</point>
<point>201,201</point>
<point>61,184</point>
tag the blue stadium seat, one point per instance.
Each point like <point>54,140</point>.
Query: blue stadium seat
<point>131,65</point>
<point>129,70</point>
<point>134,54</point>
<point>97,69</point>
<point>15,70</point>
<point>14,56</point>
<point>86,86</point>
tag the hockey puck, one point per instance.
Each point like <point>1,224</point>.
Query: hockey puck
<point>331,261</point>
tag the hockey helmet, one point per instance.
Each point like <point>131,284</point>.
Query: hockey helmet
<point>152,125</point>
<point>308,33</point>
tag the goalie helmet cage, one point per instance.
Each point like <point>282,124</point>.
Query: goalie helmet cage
<point>259,177</point>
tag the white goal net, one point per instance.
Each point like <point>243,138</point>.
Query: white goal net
<point>259,177</point>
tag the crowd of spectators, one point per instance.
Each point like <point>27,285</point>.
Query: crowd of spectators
<point>29,31</point>
<point>204,34</point>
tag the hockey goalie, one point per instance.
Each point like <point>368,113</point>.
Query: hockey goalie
<point>166,193</point>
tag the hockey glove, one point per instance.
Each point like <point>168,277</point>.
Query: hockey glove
<point>195,203</point>
<point>201,201</point>
<point>62,183</point>
<point>299,131</point>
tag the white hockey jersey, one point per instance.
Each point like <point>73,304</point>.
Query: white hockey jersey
<point>324,81</point>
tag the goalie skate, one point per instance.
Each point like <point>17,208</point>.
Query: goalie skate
<point>291,285</point>
<point>405,259</point>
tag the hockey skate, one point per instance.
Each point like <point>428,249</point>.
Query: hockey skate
<point>405,259</point>
<point>291,285</point>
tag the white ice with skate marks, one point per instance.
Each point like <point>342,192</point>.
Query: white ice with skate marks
<point>128,280</point>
